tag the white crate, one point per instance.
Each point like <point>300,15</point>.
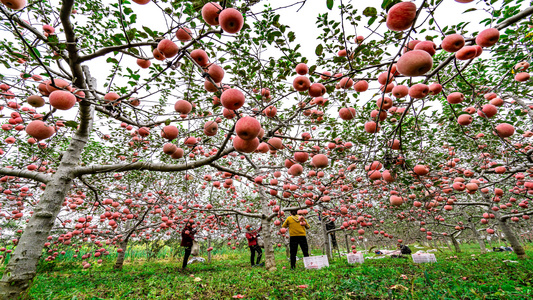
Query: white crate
<point>316,262</point>
<point>423,257</point>
<point>355,258</point>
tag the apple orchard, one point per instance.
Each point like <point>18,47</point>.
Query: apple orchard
<point>398,128</point>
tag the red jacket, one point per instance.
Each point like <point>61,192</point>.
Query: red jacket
<point>252,237</point>
<point>187,238</point>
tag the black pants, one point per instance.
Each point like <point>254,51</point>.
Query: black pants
<point>293,245</point>
<point>254,249</point>
<point>186,257</point>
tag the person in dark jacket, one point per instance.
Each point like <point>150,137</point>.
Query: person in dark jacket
<point>404,249</point>
<point>330,225</point>
<point>251,236</point>
<point>187,238</point>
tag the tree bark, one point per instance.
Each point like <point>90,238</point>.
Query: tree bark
<point>22,267</point>
<point>511,238</point>
<point>270,260</point>
<point>327,244</point>
<point>209,252</point>
<point>455,243</point>
<point>121,255</point>
<point>347,243</point>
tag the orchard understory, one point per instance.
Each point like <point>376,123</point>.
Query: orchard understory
<point>400,122</point>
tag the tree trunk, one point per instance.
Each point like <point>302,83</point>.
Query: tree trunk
<point>511,238</point>
<point>121,255</point>
<point>209,252</point>
<point>270,259</point>
<point>347,243</point>
<point>22,266</point>
<point>327,244</point>
<point>148,251</point>
<point>455,244</point>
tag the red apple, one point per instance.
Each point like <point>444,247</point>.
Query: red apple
<point>415,63</point>
<point>15,4</point>
<point>232,99</point>
<point>301,69</point>
<point>455,98</point>
<point>183,107</point>
<point>210,128</point>
<point>245,146</point>
<point>62,100</point>
<point>453,42</point>
<point>361,86</point>
<point>39,130</point>
<point>427,46</point>
<point>168,48</point>
<point>488,37</point>
<point>505,130</point>
<point>464,119</point>
<point>400,91</point>
<point>418,91</point>
<point>320,161</point>
<point>301,83</point>
<point>200,57</point>
<point>184,34</point>
<point>210,13</point>
<point>401,16</point>
<point>247,128</point>
<point>231,20</point>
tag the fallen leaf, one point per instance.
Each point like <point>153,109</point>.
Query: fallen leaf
<point>398,287</point>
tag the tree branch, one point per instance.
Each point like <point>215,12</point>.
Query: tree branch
<point>160,167</point>
<point>26,174</point>
<point>110,49</point>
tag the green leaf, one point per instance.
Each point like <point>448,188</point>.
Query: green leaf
<point>53,39</point>
<point>149,31</point>
<point>329,3</point>
<point>35,53</point>
<point>387,4</point>
<point>112,60</point>
<point>72,124</point>
<point>319,49</point>
<point>370,11</point>
<point>469,10</point>
<point>6,64</point>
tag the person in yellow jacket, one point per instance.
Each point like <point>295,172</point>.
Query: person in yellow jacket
<point>297,225</point>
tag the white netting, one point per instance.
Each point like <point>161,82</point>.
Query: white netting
<point>355,258</point>
<point>423,257</point>
<point>316,262</point>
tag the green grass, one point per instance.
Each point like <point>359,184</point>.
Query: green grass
<point>229,274</point>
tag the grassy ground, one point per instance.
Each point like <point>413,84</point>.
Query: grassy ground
<point>230,275</point>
